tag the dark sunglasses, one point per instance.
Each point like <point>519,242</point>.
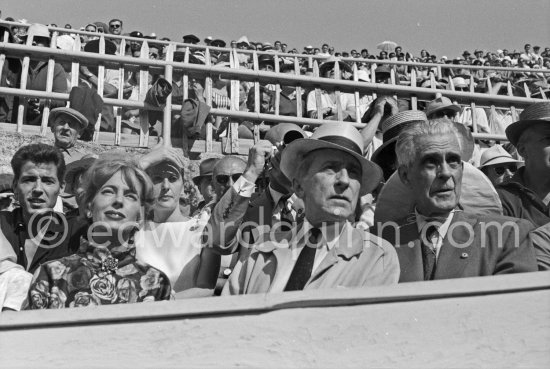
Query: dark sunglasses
<point>447,113</point>
<point>115,25</point>
<point>501,169</point>
<point>223,179</point>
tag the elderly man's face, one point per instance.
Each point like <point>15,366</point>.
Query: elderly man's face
<point>225,173</point>
<point>435,177</point>
<point>37,187</point>
<point>534,146</point>
<point>66,130</point>
<point>329,186</point>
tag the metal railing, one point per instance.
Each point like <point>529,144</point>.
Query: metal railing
<point>234,72</point>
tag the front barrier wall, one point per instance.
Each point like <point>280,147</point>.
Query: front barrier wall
<point>234,72</point>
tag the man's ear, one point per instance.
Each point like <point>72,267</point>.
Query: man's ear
<point>404,175</point>
<point>297,188</point>
<point>521,151</point>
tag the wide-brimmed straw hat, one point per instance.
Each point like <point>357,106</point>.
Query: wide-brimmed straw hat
<point>37,30</point>
<point>441,103</point>
<point>329,64</point>
<point>391,128</point>
<point>536,113</point>
<point>337,136</point>
<point>496,155</point>
<point>206,168</point>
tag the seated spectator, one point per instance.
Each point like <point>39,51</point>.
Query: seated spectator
<point>331,251</point>
<point>105,270</point>
<point>498,165</point>
<point>170,241</point>
<point>439,241</point>
<point>329,102</point>
<point>204,182</point>
<point>527,194</point>
<point>38,73</point>
<point>38,170</point>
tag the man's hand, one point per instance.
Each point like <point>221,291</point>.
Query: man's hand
<point>257,157</point>
<point>85,71</point>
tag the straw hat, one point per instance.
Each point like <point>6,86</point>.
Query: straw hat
<point>496,155</point>
<point>243,40</point>
<point>338,136</point>
<point>460,82</point>
<point>391,128</point>
<point>37,30</point>
<point>534,114</point>
<point>284,132</point>
<point>441,103</point>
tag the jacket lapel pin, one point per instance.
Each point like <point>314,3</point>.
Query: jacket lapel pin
<point>464,255</point>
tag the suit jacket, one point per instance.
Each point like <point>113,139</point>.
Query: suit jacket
<point>14,229</point>
<point>478,251</point>
<point>358,259</point>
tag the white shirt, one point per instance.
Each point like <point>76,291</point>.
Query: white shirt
<point>442,226</point>
<point>546,199</point>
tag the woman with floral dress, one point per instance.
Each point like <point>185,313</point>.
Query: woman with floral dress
<point>105,271</point>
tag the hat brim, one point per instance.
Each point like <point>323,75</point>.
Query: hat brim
<point>295,152</point>
<point>197,180</point>
<point>383,150</point>
<point>329,64</point>
<point>80,118</point>
<point>453,107</point>
<point>514,130</point>
<point>500,160</point>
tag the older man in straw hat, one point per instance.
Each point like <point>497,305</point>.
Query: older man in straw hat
<point>438,240</point>
<point>329,173</point>
<point>498,165</point>
<point>527,194</point>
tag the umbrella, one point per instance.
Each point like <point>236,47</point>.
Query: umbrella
<point>387,46</point>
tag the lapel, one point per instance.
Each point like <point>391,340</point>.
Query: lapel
<point>455,255</point>
<point>261,208</point>
<point>409,253</point>
<point>348,245</point>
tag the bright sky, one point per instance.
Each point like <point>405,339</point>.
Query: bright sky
<point>443,27</point>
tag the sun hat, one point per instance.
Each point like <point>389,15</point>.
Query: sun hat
<point>218,43</point>
<point>37,30</point>
<point>284,132</point>
<point>534,114</point>
<point>243,40</point>
<point>460,82</point>
<point>391,128</point>
<point>206,167</point>
<point>338,136</point>
<point>496,155</point>
<point>441,103</point>
<point>65,42</point>
<point>191,38</point>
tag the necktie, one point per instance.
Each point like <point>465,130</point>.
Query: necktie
<point>304,265</point>
<point>429,253</point>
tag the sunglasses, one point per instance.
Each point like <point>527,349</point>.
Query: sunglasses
<point>115,25</point>
<point>500,170</point>
<point>223,179</point>
<point>445,113</point>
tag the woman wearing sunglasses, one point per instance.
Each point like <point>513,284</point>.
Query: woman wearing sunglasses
<point>498,165</point>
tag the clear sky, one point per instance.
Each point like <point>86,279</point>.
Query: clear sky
<point>443,27</point>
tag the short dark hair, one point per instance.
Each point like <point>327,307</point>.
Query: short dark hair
<point>38,153</point>
<point>116,20</point>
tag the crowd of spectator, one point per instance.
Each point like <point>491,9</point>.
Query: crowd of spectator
<point>411,196</point>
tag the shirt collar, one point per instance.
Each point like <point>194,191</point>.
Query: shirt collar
<point>324,230</point>
<point>442,223</point>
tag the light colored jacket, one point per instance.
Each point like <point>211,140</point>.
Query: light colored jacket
<point>358,259</point>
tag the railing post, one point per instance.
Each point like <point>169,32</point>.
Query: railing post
<point>49,87</point>
<point>118,109</point>
<point>143,88</point>
<point>208,97</point>
<point>167,110</point>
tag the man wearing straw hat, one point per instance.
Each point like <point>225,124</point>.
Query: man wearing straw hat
<point>498,165</point>
<point>329,173</point>
<point>527,194</point>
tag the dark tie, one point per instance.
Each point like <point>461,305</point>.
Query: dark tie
<point>304,265</point>
<point>429,253</point>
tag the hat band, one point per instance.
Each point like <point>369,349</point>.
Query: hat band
<point>396,130</point>
<point>344,142</point>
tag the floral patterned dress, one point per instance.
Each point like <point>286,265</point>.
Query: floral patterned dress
<point>97,276</point>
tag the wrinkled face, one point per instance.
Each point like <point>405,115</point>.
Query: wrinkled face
<point>117,205</point>
<point>37,187</point>
<point>167,185</point>
<point>329,186</point>
<point>225,173</point>
<point>115,27</point>
<point>66,130</point>
<point>535,149</point>
<point>435,176</point>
